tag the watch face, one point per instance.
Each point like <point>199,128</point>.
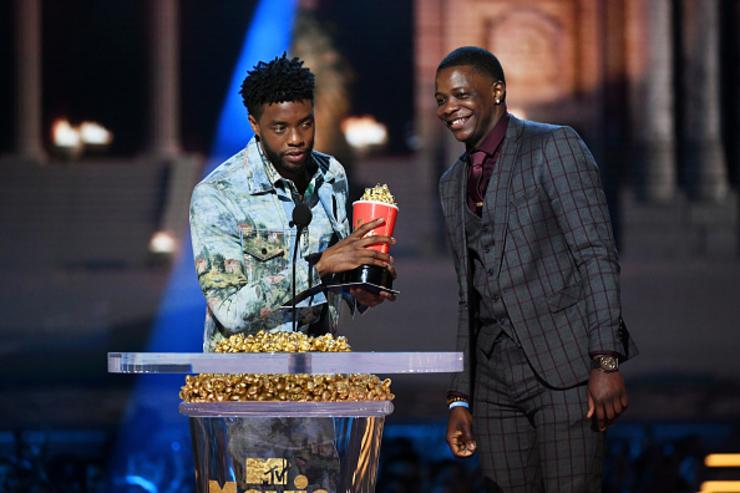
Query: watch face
<point>608,363</point>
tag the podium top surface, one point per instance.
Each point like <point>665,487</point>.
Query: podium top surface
<point>286,409</point>
<point>317,363</point>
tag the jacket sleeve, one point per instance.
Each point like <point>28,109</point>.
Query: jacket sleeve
<point>461,382</point>
<point>572,183</point>
<point>235,300</point>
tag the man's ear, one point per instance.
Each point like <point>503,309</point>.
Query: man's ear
<point>255,126</point>
<point>499,91</point>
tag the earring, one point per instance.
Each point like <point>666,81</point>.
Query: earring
<point>498,101</point>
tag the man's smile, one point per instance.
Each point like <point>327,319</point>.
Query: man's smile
<point>457,123</point>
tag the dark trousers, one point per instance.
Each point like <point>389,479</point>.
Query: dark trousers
<point>531,438</point>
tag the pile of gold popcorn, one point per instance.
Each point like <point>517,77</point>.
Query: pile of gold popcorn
<point>379,193</point>
<point>209,387</point>
<point>282,342</point>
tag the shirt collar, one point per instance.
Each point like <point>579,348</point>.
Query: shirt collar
<point>262,175</point>
<point>495,137</point>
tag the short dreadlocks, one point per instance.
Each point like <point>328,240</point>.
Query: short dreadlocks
<point>277,81</point>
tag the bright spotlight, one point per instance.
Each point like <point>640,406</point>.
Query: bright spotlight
<point>93,133</point>
<point>70,141</point>
<point>163,243</point>
<point>65,135</point>
<point>362,132</point>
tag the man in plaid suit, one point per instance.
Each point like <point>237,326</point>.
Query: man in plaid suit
<point>538,277</point>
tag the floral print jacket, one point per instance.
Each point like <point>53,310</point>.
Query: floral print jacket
<point>243,244</point>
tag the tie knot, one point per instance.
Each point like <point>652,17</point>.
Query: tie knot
<point>477,158</point>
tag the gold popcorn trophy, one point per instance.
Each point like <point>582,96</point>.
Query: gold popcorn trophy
<point>376,202</point>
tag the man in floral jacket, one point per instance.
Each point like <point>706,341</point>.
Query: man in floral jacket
<point>240,217</point>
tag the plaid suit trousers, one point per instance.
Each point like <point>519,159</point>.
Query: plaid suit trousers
<point>531,437</point>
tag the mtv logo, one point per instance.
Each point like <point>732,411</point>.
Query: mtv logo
<point>272,471</point>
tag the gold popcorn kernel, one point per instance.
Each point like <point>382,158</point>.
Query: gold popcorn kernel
<point>379,193</point>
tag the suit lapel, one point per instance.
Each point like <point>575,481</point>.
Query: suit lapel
<point>496,210</point>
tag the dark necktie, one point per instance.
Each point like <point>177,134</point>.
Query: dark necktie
<point>476,175</point>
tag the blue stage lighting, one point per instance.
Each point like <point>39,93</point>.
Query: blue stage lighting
<point>178,326</point>
<point>143,483</point>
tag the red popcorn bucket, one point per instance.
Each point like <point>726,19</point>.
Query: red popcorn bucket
<point>365,211</point>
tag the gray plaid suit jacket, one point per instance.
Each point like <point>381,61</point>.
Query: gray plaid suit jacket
<point>551,253</point>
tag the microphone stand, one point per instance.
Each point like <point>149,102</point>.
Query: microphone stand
<point>301,218</point>
<point>295,255</point>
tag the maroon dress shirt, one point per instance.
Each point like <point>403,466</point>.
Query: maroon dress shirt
<point>481,163</point>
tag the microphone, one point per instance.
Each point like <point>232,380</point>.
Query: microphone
<point>301,218</point>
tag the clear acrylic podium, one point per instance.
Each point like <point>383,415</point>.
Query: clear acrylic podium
<point>285,446</point>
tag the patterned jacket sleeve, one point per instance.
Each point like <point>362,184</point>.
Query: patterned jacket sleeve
<point>571,180</point>
<point>236,301</point>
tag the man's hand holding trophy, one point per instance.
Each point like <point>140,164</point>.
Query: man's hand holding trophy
<point>361,262</point>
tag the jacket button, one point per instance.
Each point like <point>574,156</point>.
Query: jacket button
<point>495,297</point>
<point>490,272</point>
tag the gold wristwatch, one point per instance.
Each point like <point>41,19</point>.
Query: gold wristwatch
<point>605,362</point>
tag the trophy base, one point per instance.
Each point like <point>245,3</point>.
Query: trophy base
<point>370,274</point>
<point>368,277</point>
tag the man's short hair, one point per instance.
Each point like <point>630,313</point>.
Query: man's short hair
<point>280,80</point>
<point>482,60</point>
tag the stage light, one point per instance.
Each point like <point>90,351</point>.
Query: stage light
<point>363,132</point>
<point>70,141</point>
<point>722,460</point>
<point>142,483</point>
<point>65,136</point>
<point>94,134</point>
<point>163,243</point>
<point>720,487</point>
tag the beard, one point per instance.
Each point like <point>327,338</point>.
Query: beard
<point>281,165</point>
<point>271,155</point>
